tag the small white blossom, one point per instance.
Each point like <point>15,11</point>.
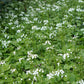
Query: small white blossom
<point>19,39</point>
<point>43,28</point>
<point>36,72</point>
<point>14,52</point>
<point>2,62</point>
<point>34,78</point>
<point>45,22</point>
<point>5,43</point>
<point>80,1</point>
<point>50,75</point>
<point>38,9</point>
<point>28,72</point>
<point>82,29</point>
<point>20,59</point>
<point>71,9</point>
<point>13,70</point>
<point>58,64</point>
<point>18,31</point>
<point>13,27</point>
<point>16,22</point>
<point>47,42</point>
<point>5,77</point>
<point>79,10</point>
<point>48,48</point>
<point>10,23</point>
<point>55,73</point>
<point>18,47</point>
<point>21,79</point>
<point>80,82</point>
<point>15,16</point>
<point>31,56</point>
<point>29,79</point>
<point>68,49</point>
<point>65,55</point>
<point>35,19</point>
<point>16,8</point>
<point>35,27</point>
<point>59,24</point>
<point>69,40</point>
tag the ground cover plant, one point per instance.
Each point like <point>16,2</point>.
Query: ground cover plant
<point>44,44</point>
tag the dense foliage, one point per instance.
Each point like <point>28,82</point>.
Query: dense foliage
<point>44,44</point>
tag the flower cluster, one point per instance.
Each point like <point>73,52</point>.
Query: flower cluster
<point>31,56</point>
<point>55,73</point>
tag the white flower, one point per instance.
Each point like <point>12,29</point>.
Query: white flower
<point>15,16</point>
<point>28,72</point>
<point>75,37</point>
<point>37,9</point>
<point>45,22</point>
<point>82,29</point>
<point>16,8</point>
<point>28,59</point>
<point>31,56</point>
<point>34,56</point>
<point>20,14</point>
<point>47,42</point>
<point>80,82</point>
<point>34,78</point>
<point>56,7</point>
<point>59,24</point>
<point>35,27</point>
<point>80,1</point>
<point>83,23</point>
<point>0,54</point>
<point>18,31</point>
<point>18,47</point>
<point>50,75</point>
<point>20,59</point>
<point>55,73</point>
<point>10,23</point>
<point>68,49</point>
<point>35,19</point>
<point>66,16</point>
<point>61,71</point>
<point>29,52</point>
<point>65,75</point>
<point>5,77</point>
<point>22,36</point>
<point>13,27</point>
<point>71,9</point>
<point>65,55</point>
<point>60,54</point>
<point>79,10</point>
<point>48,5</point>
<point>19,39</point>
<point>2,62</point>
<point>14,52</point>
<point>29,79</point>
<point>69,26</point>
<point>21,79</point>
<point>43,28</point>
<point>69,40</point>
<point>12,70</point>
<point>5,43</point>
<point>16,22</point>
<point>35,72</point>
<point>48,48</point>
<point>58,64</point>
